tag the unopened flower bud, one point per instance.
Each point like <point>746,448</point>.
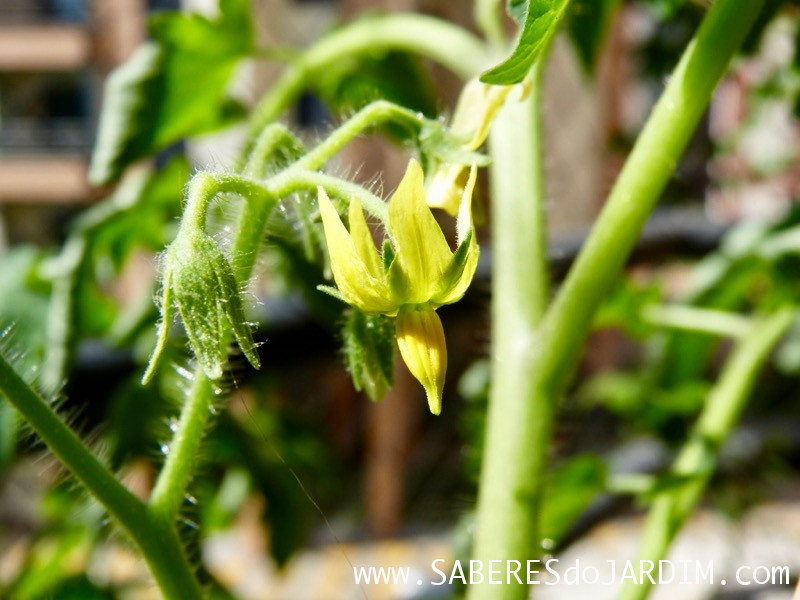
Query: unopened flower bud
<point>420,338</point>
<point>201,282</point>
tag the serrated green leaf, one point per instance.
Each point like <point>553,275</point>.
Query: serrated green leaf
<point>172,87</point>
<point>542,18</point>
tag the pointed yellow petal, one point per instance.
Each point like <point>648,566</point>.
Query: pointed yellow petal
<point>352,276</point>
<point>476,109</point>
<point>362,239</point>
<point>464,222</point>
<point>420,338</point>
<point>422,250</point>
<point>459,274</point>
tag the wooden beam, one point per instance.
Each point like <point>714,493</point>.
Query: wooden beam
<point>44,47</point>
<point>43,180</point>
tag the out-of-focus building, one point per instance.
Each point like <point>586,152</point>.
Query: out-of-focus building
<point>54,55</point>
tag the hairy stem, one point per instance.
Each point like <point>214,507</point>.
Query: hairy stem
<point>158,543</point>
<point>373,114</point>
<point>540,361</point>
<point>520,416</point>
<point>448,44</point>
<point>694,465</point>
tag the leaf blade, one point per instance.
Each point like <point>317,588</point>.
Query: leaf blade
<point>541,22</point>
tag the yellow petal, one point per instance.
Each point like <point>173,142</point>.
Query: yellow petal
<point>422,250</point>
<point>476,109</point>
<point>446,188</point>
<point>363,241</point>
<point>459,274</point>
<point>420,338</point>
<point>357,285</point>
<point>464,222</point>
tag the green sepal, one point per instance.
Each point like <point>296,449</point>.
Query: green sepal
<point>387,255</point>
<point>369,352</point>
<point>451,277</point>
<point>167,309</point>
<point>208,299</point>
<point>438,145</point>
<point>332,291</point>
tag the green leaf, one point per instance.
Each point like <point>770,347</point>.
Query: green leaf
<point>541,22</point>
<point>172,87</point>
<point>517,10</point>
<point>588,26</point>
<point>570,489</point>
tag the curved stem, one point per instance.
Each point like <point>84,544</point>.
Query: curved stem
<point>375,113</point>
<point>158,543</point>
<point>694,465</point>
<point>448,44</point>
<point>271,139</point>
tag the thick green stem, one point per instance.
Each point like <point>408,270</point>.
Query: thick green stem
<point>448,44</point>
<point>520,416</point>
<point>532,367</point>
<point>158,542</point>
<point>695,464</point>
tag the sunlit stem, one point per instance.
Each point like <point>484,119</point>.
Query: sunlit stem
<point>268,142</point>
<point>371,115</point>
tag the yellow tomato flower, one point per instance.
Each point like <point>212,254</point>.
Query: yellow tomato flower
<point>415,273</point>
<point>476,109</point>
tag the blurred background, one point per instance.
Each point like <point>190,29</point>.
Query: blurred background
<point>303,477</point>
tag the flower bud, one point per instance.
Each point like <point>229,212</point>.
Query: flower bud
<point>202,283</point>
<point>420,338</point>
